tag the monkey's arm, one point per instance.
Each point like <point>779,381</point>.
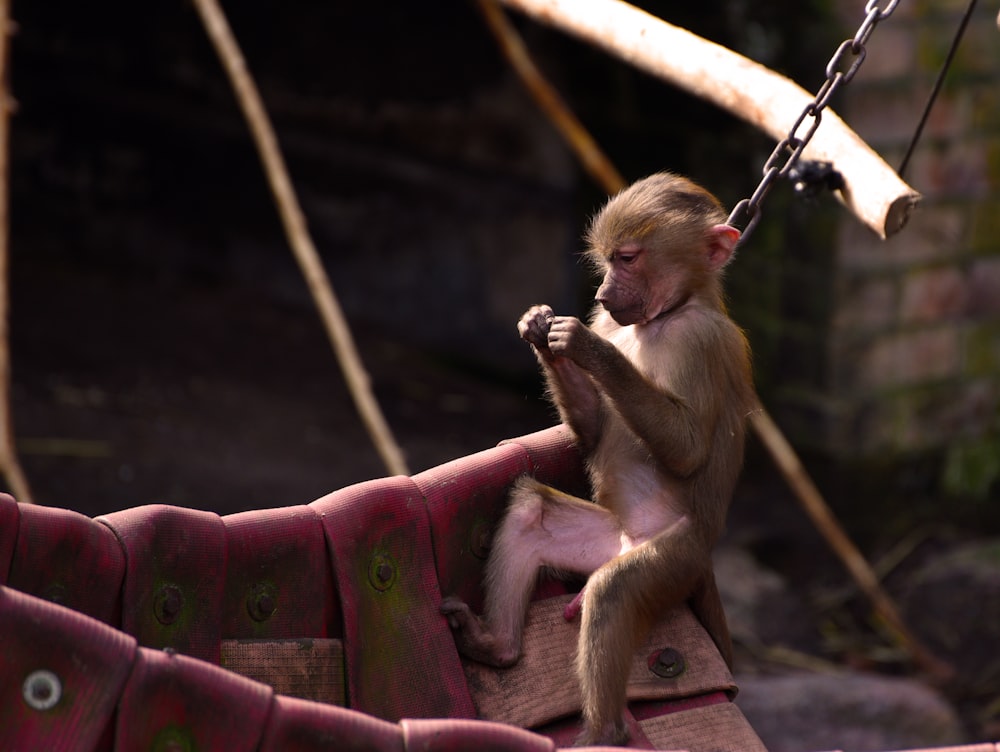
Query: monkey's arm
<point>573,391</point>
<point>677,430</point>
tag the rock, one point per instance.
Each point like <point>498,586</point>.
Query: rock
<point>760,607</point>
<point>850,712</point>
<point>953,604</point>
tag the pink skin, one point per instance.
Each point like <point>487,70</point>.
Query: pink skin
<point>573,607</point>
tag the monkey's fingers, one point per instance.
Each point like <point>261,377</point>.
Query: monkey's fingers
<point>452,604</point>
<point>534,325</point>
<point>456,611</point>
<point>472,637</point>
<point>563,331</point>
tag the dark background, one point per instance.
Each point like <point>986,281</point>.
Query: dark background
<point>164,345</point>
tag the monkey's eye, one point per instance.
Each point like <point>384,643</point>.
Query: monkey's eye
<point>627,257</point>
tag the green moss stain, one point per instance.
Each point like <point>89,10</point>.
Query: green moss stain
<point>972,466</point>
<point>982,350</point>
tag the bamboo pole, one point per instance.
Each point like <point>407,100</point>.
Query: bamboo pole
<point>10,466</point>
<point>857,566</point>
<point>301,242</point>
<point>770,435</point>
<point>873,191</point>
<point>597,164</point>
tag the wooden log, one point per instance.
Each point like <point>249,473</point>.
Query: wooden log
<point>769,101</point>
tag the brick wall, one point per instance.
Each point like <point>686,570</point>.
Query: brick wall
<point>911,358</point>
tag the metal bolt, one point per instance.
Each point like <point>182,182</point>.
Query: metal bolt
<point>172,739</point>
<point>167,604</point>
<point>382,571</point>
<point>56,593</point>
<point>667,664</point>
<point>41,690</point>
<point>262,601</point>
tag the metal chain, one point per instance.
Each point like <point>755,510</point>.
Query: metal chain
<point>850,55</point>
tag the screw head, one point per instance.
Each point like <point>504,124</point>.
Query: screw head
<point>382,571</point>
<point>41,689</point>
<point>262,601</point>
<point>56,593</point>
<point>667,664</point>
<point>167,604</point>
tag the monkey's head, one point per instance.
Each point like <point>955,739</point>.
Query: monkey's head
<point>658,244</point>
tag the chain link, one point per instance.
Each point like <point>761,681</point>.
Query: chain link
<point>844,64</point>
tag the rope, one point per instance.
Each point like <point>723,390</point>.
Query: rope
<point>937,87</point>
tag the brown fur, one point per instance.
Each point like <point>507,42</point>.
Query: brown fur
<point>657,390</point>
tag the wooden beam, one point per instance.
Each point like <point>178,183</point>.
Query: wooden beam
<point>873,192</point>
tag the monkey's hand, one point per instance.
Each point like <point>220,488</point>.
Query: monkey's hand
<point>534,326</point>
<point>473,638</point>
<point>571,338</point>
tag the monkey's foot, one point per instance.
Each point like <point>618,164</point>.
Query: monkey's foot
<point>611,735</point>
<point>473,639</point>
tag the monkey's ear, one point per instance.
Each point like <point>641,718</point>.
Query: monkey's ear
<point>722,240</point>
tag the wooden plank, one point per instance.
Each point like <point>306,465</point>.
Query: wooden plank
<point>310,669</point>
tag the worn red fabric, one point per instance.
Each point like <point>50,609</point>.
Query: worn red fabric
<point>175,568</point>
<point>465,499</point>
<point>300,726</point>
<point>10,516</point>
<point>482,736</point>
<point>279,583</point>
<point>80,663</point>
<point>554,458</point>
<point>65,557</point>
<point>171,698</point>
<point>366,564</point>
<point>399,652</point>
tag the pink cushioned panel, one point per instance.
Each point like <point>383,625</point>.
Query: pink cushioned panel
<point>175,569</point>
<point>171,699</point>
<point>466,498</point>
<point>301,726</point>
<point>9,520</point>
<point>67,558</point>
<point>454,735</point>
<point>555,459</point>
<point>400,655</point>
<point>54,656</point>
<point>279,584</point>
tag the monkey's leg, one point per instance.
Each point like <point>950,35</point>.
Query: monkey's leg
<point>622,600</point>
<point>542,528</point>
<point>707,606</point>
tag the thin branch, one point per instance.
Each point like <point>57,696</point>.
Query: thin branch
<point>302,245</point>
<point>597,164</point>
<point>854,561</point>
<point>9,464</point>
<point>774,441</point>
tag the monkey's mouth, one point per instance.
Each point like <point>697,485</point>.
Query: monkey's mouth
<point>628,316</point>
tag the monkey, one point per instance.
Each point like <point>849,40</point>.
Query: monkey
<point>657,391</point>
